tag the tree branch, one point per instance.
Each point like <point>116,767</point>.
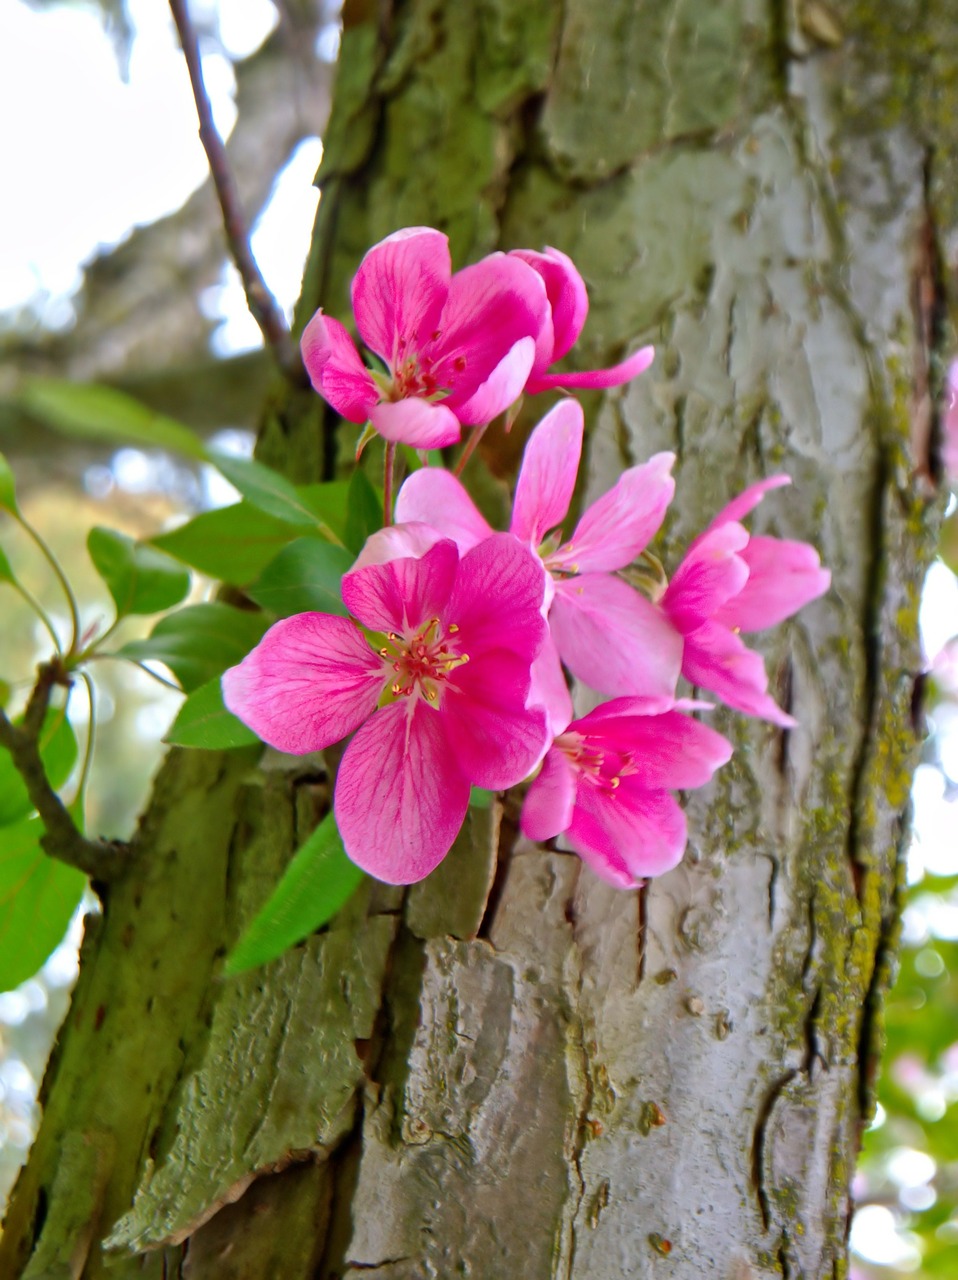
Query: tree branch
<point>260,301</point>
<point>99,859</point>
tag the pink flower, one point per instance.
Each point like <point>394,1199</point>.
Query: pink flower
<point>606,633</point>
<point>949,444</point>
<point>438,705</point>
<point>458,348</point>
<point>729,582</point>
<point>568,307</point>
<point>605,785</point>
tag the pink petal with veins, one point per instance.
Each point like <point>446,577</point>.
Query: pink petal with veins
<point>619,525</point>
<point>309,682</point>
<point>502,388</point>
<point>716,659</point>
<point>595,379</point>
<point>400,796</point>
<point>497,598</point>
<point>335,369</point>
<point>400,290</point>
<point>416,422</point>
<point>496,738</point>
<point>711,573</point>
<point>782,577</point>
<point>402,595</point>
<point>548,473</point>
<point>435,497</point>
<point>568,301</point>
<point>549,802</point>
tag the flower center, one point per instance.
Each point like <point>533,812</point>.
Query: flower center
<point>421,664</point>
<point>604,768</point>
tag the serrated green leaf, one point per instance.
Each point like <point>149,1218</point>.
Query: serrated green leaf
<point>306,577</point>
<point>8,490</point>
<point>265,489</point>
<point>38,897</point>
<point>139,578</point>
<point>319,880</point>
<point>102,413</point>
<point>199,642</point>
<point>58,751</point>
<point>203,721</point>
<point>234,544</point>
<point>365,511</point>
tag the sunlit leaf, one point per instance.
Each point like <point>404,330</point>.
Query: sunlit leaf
<point>319,880</point>
<point>8,492</point>
<point>305,577</point>
<point>38,896</point>
<point>199,642</point>
<point>203,721</point>
<point>265,489</point>
<point>234,544</point>
<point>58,751</point>
<point>365,512</point>
<point>102,413</point>
<point>140,579</point>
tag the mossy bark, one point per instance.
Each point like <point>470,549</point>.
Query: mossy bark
<point>513,1070</point>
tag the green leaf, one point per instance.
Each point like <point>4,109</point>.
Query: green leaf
<point>199,642</point>
<point>102,413</point>
<point>58,751</point>
<point>306,577</point>
<point>480,799</point>
<point>319,880</point>
<point>139,579</point>
<point>365,511</point>
<point>203,721</point>
<point>6,569</point>
<point>234,544</point>
<point>8,491</point>
<point>265,489</point>
<point>329,503</point>
<point>38,897</point>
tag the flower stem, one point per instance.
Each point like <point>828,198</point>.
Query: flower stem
<point>471,446</point>
<point>61,578</point>
<point>41,613</point>
<point>389,466</point>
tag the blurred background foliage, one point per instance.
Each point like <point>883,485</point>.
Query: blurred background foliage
<point>151,305</point>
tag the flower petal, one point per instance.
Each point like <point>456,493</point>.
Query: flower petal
<point>400,290</point>
<point>782,577</point>
<point>400,797</point>
<point>415,422</point>
<point>335,369</point>
<point>748,500</point>
<point>309,682</point>
<point>491,306</point>
<point>433,496</point>
<point>716,659</point>
<point>548,805</point>
<point>497,598</point>
<point>568,299</point>
<point>597,379</point>
<point>496,738</point>
<point>619,525</point>
<point>401,595</point>
<point>397,542</point>
<point>502,388</point>
<point>548,473</point>
<point>549,689</point>
<point>670,750</point>
<point>712,572</point>
<point>627,834</point>
<point>613,639</point>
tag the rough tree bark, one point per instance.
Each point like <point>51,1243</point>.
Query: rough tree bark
<point>512,1070</point>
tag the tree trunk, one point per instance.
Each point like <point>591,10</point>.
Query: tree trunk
<point>512,1070</point>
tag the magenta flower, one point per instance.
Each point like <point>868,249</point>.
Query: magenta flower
<point>729,582</point>
<point>438,705</point>
<point>458,349</point>
<point>606,633</point>
<point>605,785</point>
<point>949,444</point>
<point>568,308</point>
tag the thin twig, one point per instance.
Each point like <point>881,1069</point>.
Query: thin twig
<point>99,859</point>
<point>389,467</point>
<point>260,301</point>
<point>471,444</point>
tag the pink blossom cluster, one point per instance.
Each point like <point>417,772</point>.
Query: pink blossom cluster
<point>450,672</point>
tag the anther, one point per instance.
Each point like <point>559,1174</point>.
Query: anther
<point>453,628</point>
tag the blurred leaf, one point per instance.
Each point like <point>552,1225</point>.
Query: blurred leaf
<point>139,579</point>
<point>319,880</point>
<point>58,751</point>
<point>480,799</point>
<point>364,513</point>
<point>38,896</point>
<point>234,543</point>
<point>305,577</point>
<point>266,489</point>
<point>101,413</point>
<point>6,570</point>
<point>8,492</point>
<point>199,642</point>
<point>203,721</point>
<point>329,502</point>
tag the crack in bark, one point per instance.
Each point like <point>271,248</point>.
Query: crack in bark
<point>759,1140</point>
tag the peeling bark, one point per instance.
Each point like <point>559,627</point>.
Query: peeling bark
<point>512,1069</point>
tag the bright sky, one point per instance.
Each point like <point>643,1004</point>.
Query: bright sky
<point>92,156</point>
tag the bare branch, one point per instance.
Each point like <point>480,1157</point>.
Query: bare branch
<point>261,302</point>
<point>99,859</point>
